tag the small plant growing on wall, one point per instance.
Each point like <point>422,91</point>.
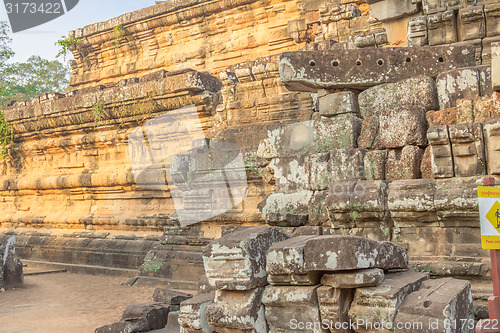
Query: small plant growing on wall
<point>66,44</point>
<point>6,135</point>
<point>97,112</point>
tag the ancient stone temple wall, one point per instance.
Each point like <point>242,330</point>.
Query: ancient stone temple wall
<point>372,118</point>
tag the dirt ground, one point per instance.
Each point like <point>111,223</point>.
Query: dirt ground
<point>65,302</point>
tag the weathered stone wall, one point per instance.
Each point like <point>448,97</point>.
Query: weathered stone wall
<point>412,127</point>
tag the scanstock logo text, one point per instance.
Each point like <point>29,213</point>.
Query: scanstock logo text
<point>26,14</point>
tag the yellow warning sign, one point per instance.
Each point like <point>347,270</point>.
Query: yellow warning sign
<point>493,216</point>
<point>489,215</point>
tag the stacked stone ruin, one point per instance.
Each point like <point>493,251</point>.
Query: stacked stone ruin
<point>368,118</point>
<point>266,281</point>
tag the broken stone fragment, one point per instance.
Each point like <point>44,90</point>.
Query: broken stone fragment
<point>193,317</point>
<point>383,99</point>
<point>411,202</point>
<point>237,261</point>
<point>441,305</point>
<point>167,296</point>
<point>334,306</point>
<point>362,278</point>
<point>380,304</point>
<point>287,306</point>
<point>237,310</point>
<point>145,317</point>
<point>362,68</point>
<point>340,253</point>
<point>118,327</point>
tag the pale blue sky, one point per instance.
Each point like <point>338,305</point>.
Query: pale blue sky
<point>40,40</point>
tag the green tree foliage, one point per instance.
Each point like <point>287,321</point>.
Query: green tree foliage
<point>22,81</point>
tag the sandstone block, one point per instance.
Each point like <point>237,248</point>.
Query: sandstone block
<point>492,138</point>
<point>355,279</point>
<point>350,253</point>
<point>287,219</point>
<point>471,23</point>
<point>492,15</point>
<point>456,203</point>
<point>442,28</point>
<point>237,310</point>
<point>440,150</point>
<point>339,203</point>
<point>290,173</point>
<point>338,103</point>
<point>368,206</point>
<point>392,9</point>
<point>426,164</point>
<point>486,53</point>
<point>316,136</point>
<point>380,304</point>
<point>374,163</point>
<point>417,31</point>
<point>403,163</point>
<point>433,6</point>
<point>334,306</point>
<point>266,150</point>
<point>307,279</point>
<point>340,132</point>
<point>193,313</point>
<point>402,127</point>
<point>290,206</point>
<point>468,149</point>
<point>237,261</point>
<point>464,83</point>
<point>382,99</point>
<point>346,165</point>
<point>495,66</point>
<point>167,296</point>
<point>287,257</point>
<point>442,301</point>
<point>286,306</point>
<point>317,209</point>
<point>361,68</point>
<point>369,136</point>
<point>411,202</point>
<point>317,170</point>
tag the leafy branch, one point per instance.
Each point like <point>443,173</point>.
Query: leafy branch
<point>66,44</point>
<point>6,135</point>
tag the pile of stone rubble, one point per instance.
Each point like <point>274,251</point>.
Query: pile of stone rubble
<point>269,281</point>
